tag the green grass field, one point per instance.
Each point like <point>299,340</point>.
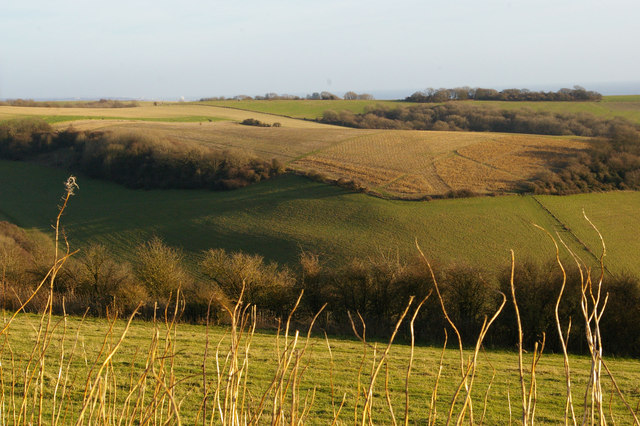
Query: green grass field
<point>302,108</point>
<point>629,109</point>
<point>336,373</point>
<point>280,217</point>
<point>610,107</point>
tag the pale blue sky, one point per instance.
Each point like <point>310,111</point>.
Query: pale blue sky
<point>166,49</point>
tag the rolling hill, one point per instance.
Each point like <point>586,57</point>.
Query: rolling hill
<point>280,217</point>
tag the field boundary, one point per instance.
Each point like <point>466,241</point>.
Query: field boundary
<point>257,112</point>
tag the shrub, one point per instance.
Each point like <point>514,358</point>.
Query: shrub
<point>266,285</point>
<point>159,268</point>
<point>254,122</point>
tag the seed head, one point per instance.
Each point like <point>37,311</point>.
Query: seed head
<point>70,185</point>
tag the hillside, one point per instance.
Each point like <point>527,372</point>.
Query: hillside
<point>278,218</point>
<point>389,163</point>
<point>392,163</point>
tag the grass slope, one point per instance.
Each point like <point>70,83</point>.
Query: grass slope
<point>338,374</point>
<point>610,106</point>
<point>302,108</point>
<point>615,214</point>
<point>277,218</point>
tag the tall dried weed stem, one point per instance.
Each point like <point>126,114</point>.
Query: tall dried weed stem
<point>45,388</point>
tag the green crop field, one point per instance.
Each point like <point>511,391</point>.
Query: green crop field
<point>611,106</point>
<point>628,108</point>
<point>176,356</point>
<point>280,217</point>
<point>621,98</point>
<point>302,108</point>
<point>615,213</point>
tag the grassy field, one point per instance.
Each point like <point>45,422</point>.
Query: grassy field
<point>618,210</point>
<point>302,108</point>
<point>280,217</point>
<point>627,107</point>
<point>176,356</point>
<point>610,106</point>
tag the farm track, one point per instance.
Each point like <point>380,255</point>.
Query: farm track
<point>490,166</point>
<point>564,228</point>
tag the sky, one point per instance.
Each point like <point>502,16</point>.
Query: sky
<point>191,48</point>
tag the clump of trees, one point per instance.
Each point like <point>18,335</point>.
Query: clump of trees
<point>475,118</point>
<point>351,96</point>
<point>431,95</point>
<point>322,96</point>
<point>258,123</point>
<point>272,96</point>
<point>135,160</point>
<point>102,103</point>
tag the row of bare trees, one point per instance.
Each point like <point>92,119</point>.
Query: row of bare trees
<point>378,287</point>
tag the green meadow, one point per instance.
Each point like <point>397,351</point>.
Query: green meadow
<point>309,109</point>
<point>281,217</point>
<point>610,106</point>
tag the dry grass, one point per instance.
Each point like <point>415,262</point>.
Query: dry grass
<point>283,143</point>
<point>414,163</point>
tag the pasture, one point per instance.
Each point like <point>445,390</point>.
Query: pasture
<point>158,362</point>
<point>610,106</point>
<point>281,217</point>
<point>309,109</point>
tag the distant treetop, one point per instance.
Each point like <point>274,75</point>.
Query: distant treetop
<point>578,93</point>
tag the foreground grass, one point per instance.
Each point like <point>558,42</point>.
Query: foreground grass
<point>332,374</point>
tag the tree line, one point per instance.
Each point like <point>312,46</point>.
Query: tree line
<point>576,94</point>
<point>377,287</point>
<point>102,103</point>
<point>135,160</point>
<point>315,96</point>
